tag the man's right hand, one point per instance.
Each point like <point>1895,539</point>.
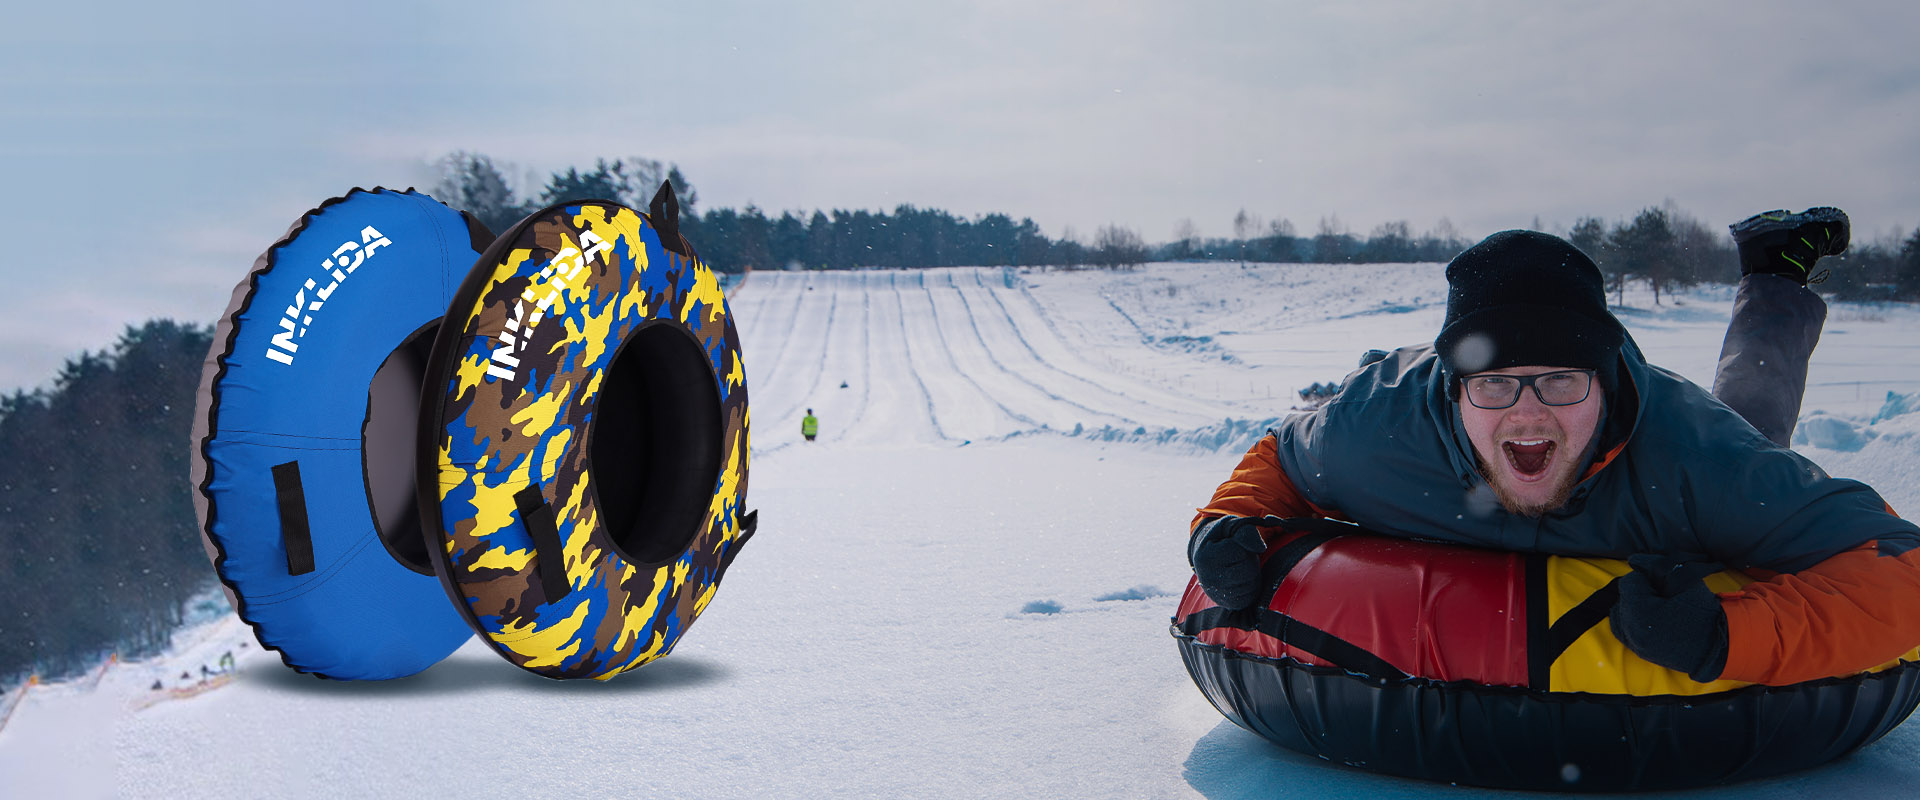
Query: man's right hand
<point>1225,554</point>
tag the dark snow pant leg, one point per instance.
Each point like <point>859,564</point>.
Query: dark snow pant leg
<point>1763,363</point>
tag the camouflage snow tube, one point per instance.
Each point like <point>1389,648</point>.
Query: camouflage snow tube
<point>590,482</point>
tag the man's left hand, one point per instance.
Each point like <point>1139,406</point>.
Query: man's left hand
<point>1667,615</point>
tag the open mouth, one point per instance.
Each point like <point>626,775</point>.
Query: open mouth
<point>1528,457</point>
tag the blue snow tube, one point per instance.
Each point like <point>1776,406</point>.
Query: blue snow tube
<point>303,455</point>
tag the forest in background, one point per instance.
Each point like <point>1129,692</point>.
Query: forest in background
<point>98,522</point>
<point>1661,245</point>
<point>96,515</point>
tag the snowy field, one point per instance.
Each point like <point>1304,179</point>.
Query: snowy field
<point>960,590</point>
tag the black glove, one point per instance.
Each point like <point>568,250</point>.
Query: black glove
<point>1225,554</point>
<point>1667,615</point>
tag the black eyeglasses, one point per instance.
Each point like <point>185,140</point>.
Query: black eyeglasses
<point>1495,392</point>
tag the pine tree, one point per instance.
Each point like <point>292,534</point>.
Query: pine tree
<point>1906,277</point>
<point>95,509</point>
<point>470,182</point>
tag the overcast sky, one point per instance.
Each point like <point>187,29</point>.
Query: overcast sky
<point>149,151</point>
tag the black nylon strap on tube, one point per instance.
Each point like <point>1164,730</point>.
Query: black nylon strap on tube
<point>549,557</point>
<point>1575,624</point>
<point>1294,633</point>
<point>1540,655</point>
<point>748,524</point>
<point>294,533</point>
<point>1275,571</point>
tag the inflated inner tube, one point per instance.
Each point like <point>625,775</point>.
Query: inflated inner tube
<point>1499,669</point>
<point>584,441</point>
<point>303,493</point>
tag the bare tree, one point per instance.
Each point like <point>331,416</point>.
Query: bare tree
<point>1390,242</point>
<point>1332,243</point>
<point>1245,225</point>
<point>1115,246</point>
<point>1186,239</point>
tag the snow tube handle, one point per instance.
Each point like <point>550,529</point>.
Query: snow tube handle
<point>1568,628</point>
<point>294,531</point>
<point>549,555</point>
<point>1263,619</point>
<point>749,523</point>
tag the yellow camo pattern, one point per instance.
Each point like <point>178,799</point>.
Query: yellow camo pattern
<point>576,281</point>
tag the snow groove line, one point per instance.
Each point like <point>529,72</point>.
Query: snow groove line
<point>892,415</point>
<point>1189,409</point>
<point>1041,312</point>
<point>750,325</point>
<point>1020,335</point>
<point>12,701</point>
<point>787,339</point>
<point>826,348</point>
<point>866,357</point>
<point>1144,336</point>
<point>946,347</point>
<point>1149,353</point>
<point>742,324</point>
<point>973,324</point>
<point>926,397</point>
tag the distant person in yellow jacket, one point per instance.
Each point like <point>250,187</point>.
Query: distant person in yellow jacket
<point>809,425</point>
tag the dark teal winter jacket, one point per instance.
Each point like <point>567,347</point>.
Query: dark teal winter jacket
<point>1693,480</point>
<point>1679,474</point>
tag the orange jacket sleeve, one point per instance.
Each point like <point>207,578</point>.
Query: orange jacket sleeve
<point>1257,488</point>
<point>1854,611</point>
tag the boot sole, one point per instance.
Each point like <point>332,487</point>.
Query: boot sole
<point>1782,221</point>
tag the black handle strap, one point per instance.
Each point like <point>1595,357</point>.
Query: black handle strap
<point>1294,633</point>
<point>1318,531</point>
<point>665,212</point>
<point>1546,643</point>
<point>294,531</point>
<point>549,555</point>
<point>1323,645</point>
<point>748,524</point>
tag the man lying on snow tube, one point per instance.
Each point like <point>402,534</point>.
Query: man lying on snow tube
<point>303,457</point>
<point>584,443</point>
<point>1534,425</point>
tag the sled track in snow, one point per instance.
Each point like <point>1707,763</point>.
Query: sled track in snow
<point>937,355</point>
<point>973,326</point>
<point>1139,404</point>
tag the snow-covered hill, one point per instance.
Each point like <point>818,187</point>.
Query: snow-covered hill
<point>960,590</point>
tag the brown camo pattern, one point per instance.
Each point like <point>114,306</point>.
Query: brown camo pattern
<point>501,435</point>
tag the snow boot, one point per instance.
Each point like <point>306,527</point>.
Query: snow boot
<point>1785,244</point>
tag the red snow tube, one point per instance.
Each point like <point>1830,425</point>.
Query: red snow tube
<point>1498,669</point>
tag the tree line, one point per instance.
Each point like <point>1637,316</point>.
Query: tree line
<point>1669,249</point>
<point>1661,245</point>
<point>96,517</point>
<point>736,240</point>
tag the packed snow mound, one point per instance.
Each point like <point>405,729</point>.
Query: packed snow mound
<point>1881,450</point>
<point>1897,418</point>
<point>1829,432</point>
<point>1896,405</point>
<point>1229,435</point>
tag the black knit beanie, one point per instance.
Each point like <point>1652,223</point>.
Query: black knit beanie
<point>1522,298</point>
